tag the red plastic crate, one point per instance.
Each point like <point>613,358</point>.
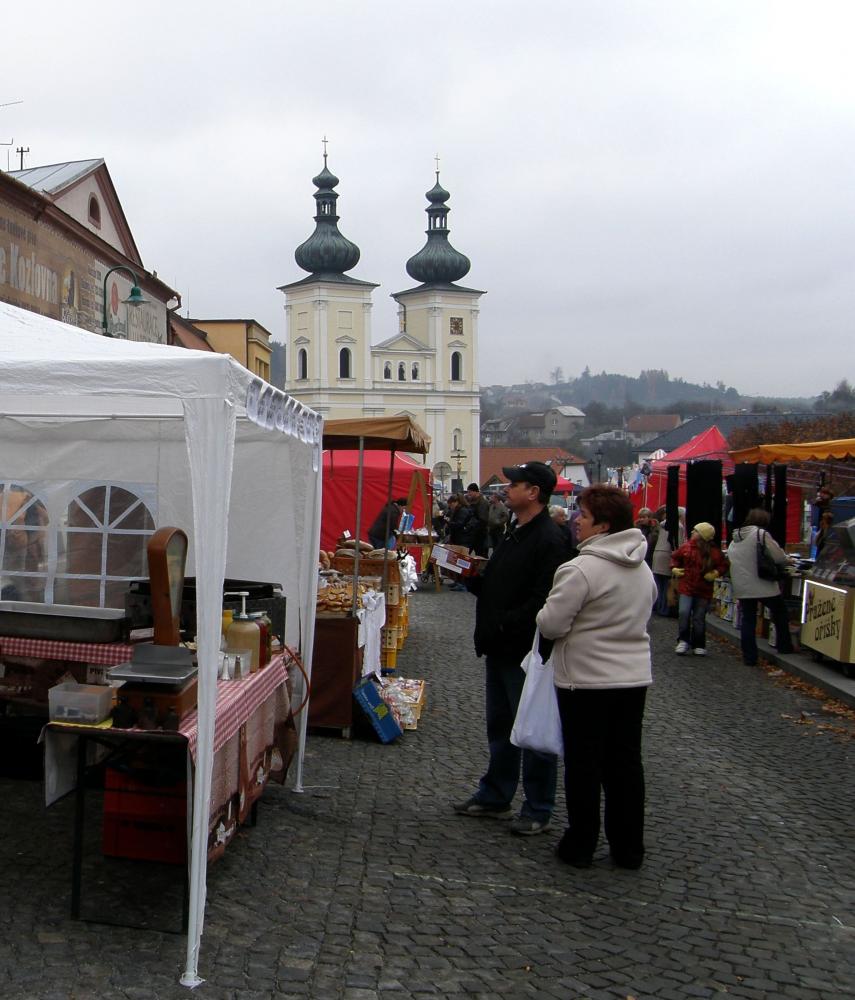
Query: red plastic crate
<point>144,839</point>
<point>124,794</point>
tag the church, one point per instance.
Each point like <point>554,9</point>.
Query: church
<point>427,370</point>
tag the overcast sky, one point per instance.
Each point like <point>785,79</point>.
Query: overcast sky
<point>663,184</point>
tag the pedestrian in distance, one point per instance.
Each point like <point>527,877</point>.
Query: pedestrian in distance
<point>697,565</point>
<point>381,534</point>
<point>660,563</point>
<point>480,507</point>
<point>497,519</point>
<point>510,591</point>
<point>461,528</point>
<point>750,589</point>
<point>597,613</point>
<point>559,516</point>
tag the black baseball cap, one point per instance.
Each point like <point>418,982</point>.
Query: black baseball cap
<point>536,473</point>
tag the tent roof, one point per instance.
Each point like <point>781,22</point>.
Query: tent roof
<point>42,357</point>
<point>709,444</point>
<point>378,433</point>
<point>804,451</point>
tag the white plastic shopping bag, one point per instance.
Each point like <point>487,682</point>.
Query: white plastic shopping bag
<point>537,725</point>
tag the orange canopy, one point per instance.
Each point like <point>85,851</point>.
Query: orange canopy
<point>804,451</point>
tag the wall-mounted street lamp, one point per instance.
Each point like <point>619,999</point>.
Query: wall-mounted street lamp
<point>136,298</point>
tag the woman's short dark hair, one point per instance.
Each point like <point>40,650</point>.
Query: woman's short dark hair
<point>608,503</point>
<point>758,517</point>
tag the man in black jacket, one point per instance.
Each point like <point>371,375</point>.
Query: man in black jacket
<point>510,592</point>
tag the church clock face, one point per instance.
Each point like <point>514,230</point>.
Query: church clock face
<point>456,328</point>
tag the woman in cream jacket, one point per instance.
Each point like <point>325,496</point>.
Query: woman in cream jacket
<point>597,613</point>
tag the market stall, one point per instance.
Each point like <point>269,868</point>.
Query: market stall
<point>827,590</point>
<point>347,618</point>
<point>203,444</point>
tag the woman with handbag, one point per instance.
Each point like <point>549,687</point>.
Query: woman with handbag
<point>597,613</point>
<point>750,545</point>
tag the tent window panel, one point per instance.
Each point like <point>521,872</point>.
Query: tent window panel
<point>83,552</point>
<point>23,531</point>
<point>104,544</point>
<point>85,593</point>
<point>126,555</point>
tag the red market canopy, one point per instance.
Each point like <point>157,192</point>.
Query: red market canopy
<point>565,486</point>
<point>410,479</point>
<point>709,445</point>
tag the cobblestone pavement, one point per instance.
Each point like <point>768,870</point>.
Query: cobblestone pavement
<point>367,886</point>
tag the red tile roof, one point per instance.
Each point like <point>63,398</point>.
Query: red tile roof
<point>647,423</point>
<point>493,459</point>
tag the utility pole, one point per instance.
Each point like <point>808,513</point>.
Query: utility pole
<point>20,150</point>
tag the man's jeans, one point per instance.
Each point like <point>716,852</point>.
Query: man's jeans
<point>692,623</point>
<point>504,685</point>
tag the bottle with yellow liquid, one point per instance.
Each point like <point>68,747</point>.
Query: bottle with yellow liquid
<point>244,633</point>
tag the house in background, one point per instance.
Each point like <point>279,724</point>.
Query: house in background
<point>565,464</point>
<point>646,426</point>
<point>247,341</point>
<point>562,422</point>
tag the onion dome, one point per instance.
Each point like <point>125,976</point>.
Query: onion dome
<point>437,263</point>
<point>326,252</point>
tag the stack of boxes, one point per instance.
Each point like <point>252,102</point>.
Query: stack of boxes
<point>397,621</point>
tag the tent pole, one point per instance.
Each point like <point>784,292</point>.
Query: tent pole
<point>359,473</point>
<point>385,579</point>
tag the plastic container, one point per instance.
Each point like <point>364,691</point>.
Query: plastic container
<point>244,633</point>
<point>87,703</point>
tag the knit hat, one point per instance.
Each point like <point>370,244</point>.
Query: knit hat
<point>705,530</point>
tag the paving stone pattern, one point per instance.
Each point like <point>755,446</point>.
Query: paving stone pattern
<point>367,887</point>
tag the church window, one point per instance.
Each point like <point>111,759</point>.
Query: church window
<point>415,371</point>
<point>456,366</point>
<point>94,211</point>
<point>344,363</point>
<point>302,363</point>
<point>387,370</point>
<point>455,325</point>
<point>402,371</point>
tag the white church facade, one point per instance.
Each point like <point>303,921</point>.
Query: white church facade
<point>427,370</point>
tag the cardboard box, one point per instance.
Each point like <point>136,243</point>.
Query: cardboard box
<point>453,560</point>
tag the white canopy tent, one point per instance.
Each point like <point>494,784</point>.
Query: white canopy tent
<point>233,461</point>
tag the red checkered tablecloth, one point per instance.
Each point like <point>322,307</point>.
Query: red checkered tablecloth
<point>104,654</point>
<point>237,701</point>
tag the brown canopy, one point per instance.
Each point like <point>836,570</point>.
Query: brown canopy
<point>378,434</point>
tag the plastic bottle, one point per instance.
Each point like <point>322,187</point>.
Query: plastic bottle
<point>261,621</point>
<point>244,633</point>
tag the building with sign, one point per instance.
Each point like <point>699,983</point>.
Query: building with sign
<point>62,233</point>
<point>426,370</point>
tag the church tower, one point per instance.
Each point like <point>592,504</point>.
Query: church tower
<point>328,315</point>
<point>443,316</point>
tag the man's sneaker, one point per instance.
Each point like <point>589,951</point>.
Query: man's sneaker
<point>472,807</point>
<point>700,651</point>
<point>528,826</point>
<point>682,648</point>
